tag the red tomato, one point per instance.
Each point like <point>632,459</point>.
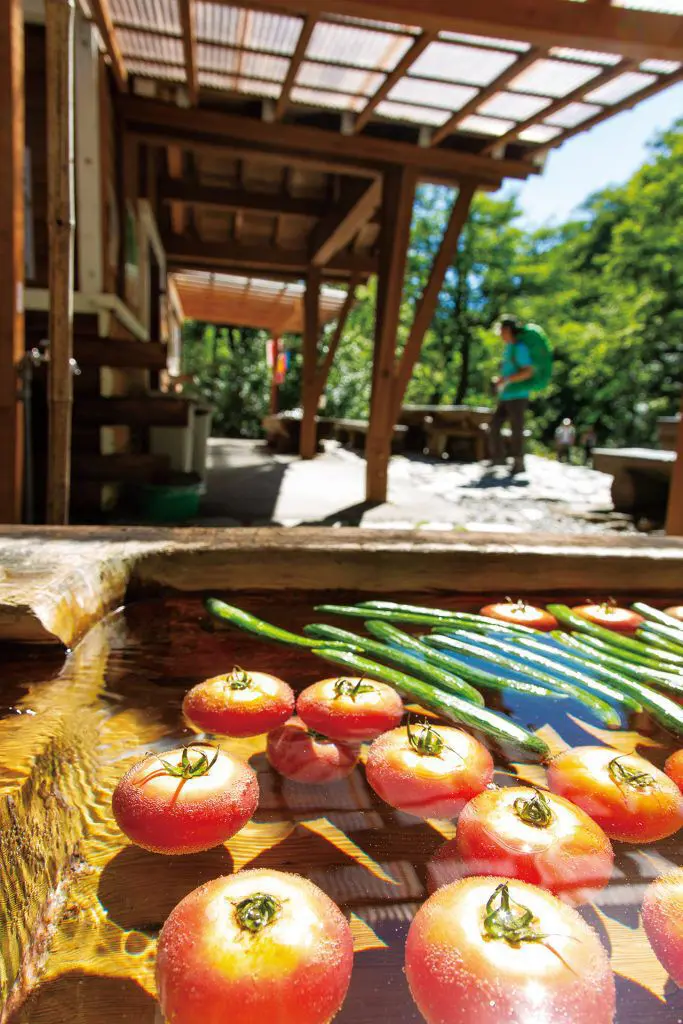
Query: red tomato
<point>674,768</point>
<point>258,946</point>
<point>537,837</point>
<point>676,611</point>
<point>428,771</point>
<point>306,756</point>
<point>239,704</point>
<point>663,921</point>
<point>629,798</point>
<point>351,709</point>
<point>187,800</point>
<point>499,952</point>
<point>520,613</point>
<point>621,620</point>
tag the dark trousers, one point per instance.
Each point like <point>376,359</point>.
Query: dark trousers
<point>512,411</point>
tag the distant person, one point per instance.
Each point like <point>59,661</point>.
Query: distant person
<point>589,440</point>
<point>565,439</point>
<point>526,367</point>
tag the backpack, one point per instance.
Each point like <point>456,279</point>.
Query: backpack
<point>536,340</point>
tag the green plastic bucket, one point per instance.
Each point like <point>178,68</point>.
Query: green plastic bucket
<point>169,503</point>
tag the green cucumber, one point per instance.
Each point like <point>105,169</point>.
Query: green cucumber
<point>385,631</point>
<point>443,613</point>
<point>660,636</point>
<point>649,676</point>
<point>626,644</point>
<point>648,660</point>
<point>655,615</point>
<point>258,627</point>
<point>509,737</point>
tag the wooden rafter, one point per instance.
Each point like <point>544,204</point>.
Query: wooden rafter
<point>426,306</point>
<point>608,75</point>
<point>188,24</point>
<point>105,26</point>
<point>473,105</point>
<point>337,230</point>
<point>406,62</point>
<point>219,198</point>
<point>323,370</point>
<point>307,27</point>
<point>308,436</point>
<point>188,251</point>
<point>674,517</point>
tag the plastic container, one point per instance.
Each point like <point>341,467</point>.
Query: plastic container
<point>169,503</point>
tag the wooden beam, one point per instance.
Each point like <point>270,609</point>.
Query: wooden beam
<point>59,44</point>
<point>175,165</point>
<point>188,24</point>
<point>337,230</point>
<point>424,312</point>
<point>473,105</point>
<point>404,65</point>
<point>12,342</point>
<point>307,27</point>
<point>90,217</point>
<point>308,440</point>
<point>397,210</point>
<point>323,370</point>
<point>633,33</point>
<point>674,516</point>
<point>351,154</point>
<point>102,18</point>
<point>190,251</point>
<point>220,198</point>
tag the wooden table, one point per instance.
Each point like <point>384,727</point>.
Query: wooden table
<point>438,429</point>
<point>641,476</point>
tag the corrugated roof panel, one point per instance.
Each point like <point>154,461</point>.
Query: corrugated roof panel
<point>256,65</point>
<point>231,83</point>
<point>554,77</point>
<point>573,114</point>
<point>539,133</point>
<point>585,56</point>
<point>659,6</point>
<point>331,76</point>
<point>485,125</point>
<point>155,14</point>
<point>660,67</point>
<point>516,45</point>
<point>252,30</point>
<point>467,64</point>
<point>357,47</point>
<point>167,72</point>
<point>619,88</point>
<point>413,114</point>
<point>369,23</point>
<point>322,98</point>
<point>513,105</point>
<point>432,94</point>
<point>165,49</point>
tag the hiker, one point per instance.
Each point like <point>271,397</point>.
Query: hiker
<point>589,440</point>
<point>526,367</point>
<point>565,438</point>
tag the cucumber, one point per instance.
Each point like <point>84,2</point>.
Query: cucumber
<point>655,615</point>
<point>649,660</point>
<point>443,613</point>
<point>258,627</point>
<point>660,636</point>
<point>650,676</point>
<point>625,644</point>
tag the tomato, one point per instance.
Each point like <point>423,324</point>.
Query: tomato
<point>191,799</point>
<point>239,704</point>
<point>676,611</point>
<point>521,613</point>
<point>307,756</point>
<point>629,798</point>
<point>663,921</point>
<point>350,709</point>
<point>257,946</point>
<point>499,952</point>
<point>536,837</point>
<point>621,620</point>
<point>674,768</point>
<point>428,771</point>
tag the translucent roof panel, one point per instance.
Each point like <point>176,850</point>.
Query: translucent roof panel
<point>322,98</point>
<point>573,114</point>
<point>452,63</point>
<point>156,14</point>
<point>432,94</point>
<point>413,114</point>
<point>167,72</point>
<point>497,44</point>
<point>539,133</point>
<point>619,88</point>
<point>384,26</point>
<point>659,6</point>
<point>585,56</point>
<point>254,65</point>
<point>165,49</point>
<point>512,105</point>
<point>660,67</point>
<point>330,76</point>
<point>361,48</point>
<point>251,30</point>
<point>554,77</point>
<point>486,125</point>
<point>232,83</point>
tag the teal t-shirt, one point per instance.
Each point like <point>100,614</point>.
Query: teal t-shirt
<point>516,356</point>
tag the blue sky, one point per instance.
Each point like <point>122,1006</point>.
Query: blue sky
<point>606,155</point>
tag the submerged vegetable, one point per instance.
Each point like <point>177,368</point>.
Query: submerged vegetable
<point>239,703</point>
<point>663,921</point>
<point>521,613</point>
<point>259,627</point>
<point>674,768</point>
<point>304,755</point>
<point>609,615</point>
<point>350,708</point>
<point>626,644</point>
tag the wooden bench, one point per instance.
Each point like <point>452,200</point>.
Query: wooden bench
<point>667,431</point>
<point>353,433</point>
<point>438,430</point>
<point>641,476</point>
<point>283,430</point>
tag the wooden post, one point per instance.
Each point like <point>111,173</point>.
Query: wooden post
<point>274,387</point>
<point>397,209</point>
<point>323,372</point>
<point>674,516</point>
<point>59,41</point>
<point>11,254</point>
<point>308,441</point>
